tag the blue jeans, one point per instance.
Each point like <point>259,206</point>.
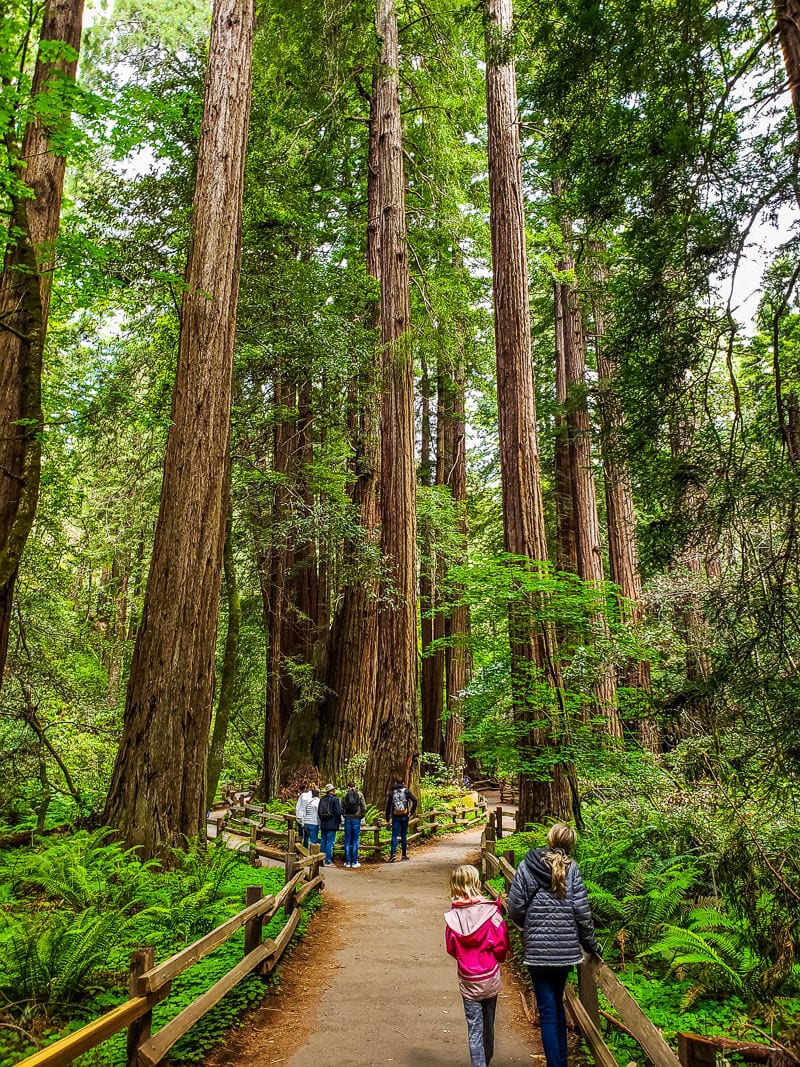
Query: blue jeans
<point>352,833</point>
<point>310,835</point>
<point>399,829</point>
<point>328,839</point>
<point>548,985</point>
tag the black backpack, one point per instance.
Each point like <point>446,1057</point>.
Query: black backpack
<point>351,805</point>
<point>325,809</point>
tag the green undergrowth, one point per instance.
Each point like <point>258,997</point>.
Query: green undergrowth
<point>688,908</point>
<point>72,912</point>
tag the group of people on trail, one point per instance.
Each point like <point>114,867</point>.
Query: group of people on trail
<point>548,902</point>
<point>320,818</point>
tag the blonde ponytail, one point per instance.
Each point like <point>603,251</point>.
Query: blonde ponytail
<point>560,842</point>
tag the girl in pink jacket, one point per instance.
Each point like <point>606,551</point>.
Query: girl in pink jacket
<point>477,937</point>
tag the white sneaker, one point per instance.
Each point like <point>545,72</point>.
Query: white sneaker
<point>347,864</point>
<point>355,864</point>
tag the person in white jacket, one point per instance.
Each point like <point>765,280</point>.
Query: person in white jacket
<point>300,810</point>
<point>311,820</point>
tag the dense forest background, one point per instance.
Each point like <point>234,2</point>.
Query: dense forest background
<point>512,476</point>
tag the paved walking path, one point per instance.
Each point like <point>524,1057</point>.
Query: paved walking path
<point>372,984</point>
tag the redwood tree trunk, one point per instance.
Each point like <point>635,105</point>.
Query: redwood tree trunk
<point>157,793</point>
<point>458,659</point>
<point>299,714</point>
<point>523,515</point>
<point>431,620</point>
<point>395,743</point>
<point>584,497</point>
<point>230,661</point>
<point>623,548</point>
<point>787,16</point>
<point>25,289</point>
<point>565,520</point>
<point>348,708</point>
<point>272,569</point>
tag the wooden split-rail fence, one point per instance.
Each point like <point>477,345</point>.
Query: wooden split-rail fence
<point>275,835</point>
<point>150,983</point>
<point>584,1008</point>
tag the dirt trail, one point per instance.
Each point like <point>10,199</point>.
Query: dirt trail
<point>371,983</point>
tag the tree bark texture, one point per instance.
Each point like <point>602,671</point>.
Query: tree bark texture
<point>584,497</point>
<point>25,289</point>
<point>453,472</point>
<point>300,632</point>
<point>395,743</point>
<point>157,793</point>
<point>347,711</point>
<point>272,569</point>
<point>623,547</point>
<point>523,514</point>
<point>787,16</point>
<point>565,520</point>
<point>230,662</point>
<point>431,620</point>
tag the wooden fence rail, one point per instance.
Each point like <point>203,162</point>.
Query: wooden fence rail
<point>585,1012</point>
<point>151,983</point>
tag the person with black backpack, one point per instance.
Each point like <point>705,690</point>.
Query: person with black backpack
<point>330,819</point>
<point>354,808</point>
<point>400,806</point>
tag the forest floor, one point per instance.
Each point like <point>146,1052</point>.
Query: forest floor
<point>371,982</point>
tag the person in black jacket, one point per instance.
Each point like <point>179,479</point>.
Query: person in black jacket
<point>548,902</point>
<point>329,813</point>
<point>400,806</point>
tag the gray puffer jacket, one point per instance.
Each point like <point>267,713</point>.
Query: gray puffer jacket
<point>554,929</point>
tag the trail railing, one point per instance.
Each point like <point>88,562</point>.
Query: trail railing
<point>275,836</point>
<point>150,983</point>
<point>584,1008</point>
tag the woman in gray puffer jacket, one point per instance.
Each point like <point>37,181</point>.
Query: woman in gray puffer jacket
<point>548,902</point>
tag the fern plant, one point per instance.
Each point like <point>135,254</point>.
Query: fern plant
<point>85,870</point>
<point>711,950</point>
<point>51,962</point>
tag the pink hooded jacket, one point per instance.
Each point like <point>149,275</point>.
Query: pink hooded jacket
<point>476,935</point>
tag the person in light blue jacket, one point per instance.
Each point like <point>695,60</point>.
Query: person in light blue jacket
<point>548,902</point>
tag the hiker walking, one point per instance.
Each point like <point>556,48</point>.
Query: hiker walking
<point>311,820</point>
<point>548,902</point>
<point>300,811</point>
<point>400,806</point>
<point>354,808</point>
<point>330,818</point>
<point>476,935</point>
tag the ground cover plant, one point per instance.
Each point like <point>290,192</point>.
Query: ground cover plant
<point>694,892</point>
<point>73,910</point>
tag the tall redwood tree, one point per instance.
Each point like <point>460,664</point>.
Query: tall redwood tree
<point>25,289</point>
<point>394,745</point>
<point>532,656</point>
<point>157,793</point>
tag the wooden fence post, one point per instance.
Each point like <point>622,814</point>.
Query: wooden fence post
<point>252,928</point>
<point>253,841</point>
<point>587,990</point>
<point>509,856</point>
<point>490,838</point>
<point>290,866</point>
<point>499,823</point>
<point>139,1030</point>
<point>291,835</point>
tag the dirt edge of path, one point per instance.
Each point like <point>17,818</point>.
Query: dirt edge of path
<point>271,1032</point>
